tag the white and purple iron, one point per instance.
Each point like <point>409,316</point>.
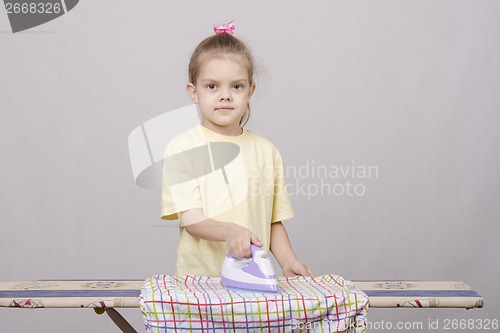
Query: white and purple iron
<point>254,274</point>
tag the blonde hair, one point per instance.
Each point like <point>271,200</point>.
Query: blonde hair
<point>218,46</point>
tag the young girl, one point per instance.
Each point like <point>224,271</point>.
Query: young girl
<point>226,186</point>
<point>223,182</point>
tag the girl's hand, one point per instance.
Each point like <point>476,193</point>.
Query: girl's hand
<point>238,241</point>
<point>296,268</point>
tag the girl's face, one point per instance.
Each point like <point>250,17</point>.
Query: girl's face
<point>222,92</point>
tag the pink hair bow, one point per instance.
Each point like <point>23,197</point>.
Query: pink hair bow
<point>224,28</point>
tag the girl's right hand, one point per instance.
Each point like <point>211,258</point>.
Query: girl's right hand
<point>238,241</point>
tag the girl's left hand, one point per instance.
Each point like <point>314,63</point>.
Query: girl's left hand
<point>296,268</point>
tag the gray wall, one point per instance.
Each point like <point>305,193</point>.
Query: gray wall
<point>410,88</point>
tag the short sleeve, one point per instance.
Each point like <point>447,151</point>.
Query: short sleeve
<point>180,188</point>
<point>282,208</point>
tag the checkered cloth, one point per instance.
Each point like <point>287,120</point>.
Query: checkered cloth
<point>187,303</point>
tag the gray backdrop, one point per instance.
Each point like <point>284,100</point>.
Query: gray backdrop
<point>410,88</point>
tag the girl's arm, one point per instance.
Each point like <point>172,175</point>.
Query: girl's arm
<point>237,238</point>
<point>283,252</point>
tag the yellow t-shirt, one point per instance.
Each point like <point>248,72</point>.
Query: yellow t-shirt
<point>235,179</point>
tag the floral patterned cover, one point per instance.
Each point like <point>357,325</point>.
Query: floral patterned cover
<point>420,294</point>
<point>125,294</point>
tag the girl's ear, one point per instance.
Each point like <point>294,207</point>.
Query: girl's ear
<point>252,89</point>
<point>191,90</point>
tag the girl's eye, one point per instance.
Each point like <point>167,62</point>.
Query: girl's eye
<point>238,86</point>
<point>211,86</point>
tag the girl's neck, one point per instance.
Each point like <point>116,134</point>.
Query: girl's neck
<point>229,130</point>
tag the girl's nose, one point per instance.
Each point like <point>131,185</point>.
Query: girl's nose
<point>225,95</point>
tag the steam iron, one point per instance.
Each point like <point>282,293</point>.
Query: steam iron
<point>253,274</point>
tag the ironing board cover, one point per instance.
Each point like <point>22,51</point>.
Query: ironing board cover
<point>187,303</point>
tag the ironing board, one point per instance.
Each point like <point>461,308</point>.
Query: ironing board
<point>107,296</point>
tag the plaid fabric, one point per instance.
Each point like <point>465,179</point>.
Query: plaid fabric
<point>187,303</point>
